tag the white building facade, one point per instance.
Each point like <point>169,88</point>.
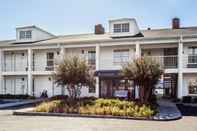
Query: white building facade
<point>27,63</point>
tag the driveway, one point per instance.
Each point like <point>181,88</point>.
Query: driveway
<point>9,122</point>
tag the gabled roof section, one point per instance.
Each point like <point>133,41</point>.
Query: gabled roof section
<point>36,27</point>
<point>91,37</point>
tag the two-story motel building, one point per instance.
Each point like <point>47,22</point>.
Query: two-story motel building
<point>27,63</point>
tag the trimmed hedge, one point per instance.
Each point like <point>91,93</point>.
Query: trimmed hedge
<point>9,96</point>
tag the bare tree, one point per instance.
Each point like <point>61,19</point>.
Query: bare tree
<point>145,73</point>
<point>73,73</point>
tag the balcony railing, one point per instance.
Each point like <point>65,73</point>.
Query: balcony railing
<point>15,66</point>
<point>167,62</point>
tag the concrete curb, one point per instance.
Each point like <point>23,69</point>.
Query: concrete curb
<point>89,116</point>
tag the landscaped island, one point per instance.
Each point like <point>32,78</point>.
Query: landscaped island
<point>113,107</point>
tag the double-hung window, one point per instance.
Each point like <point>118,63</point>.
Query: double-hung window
<point>50,61</point>
<point>121,56</point>
<point>91,57</point>
<point>123,27</point>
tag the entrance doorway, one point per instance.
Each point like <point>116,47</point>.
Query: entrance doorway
<point>170,85</point>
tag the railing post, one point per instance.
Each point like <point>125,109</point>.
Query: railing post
<point>62,53</point>
<point>180,67</point>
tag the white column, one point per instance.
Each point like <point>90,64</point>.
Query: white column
<point>1,70</point>
<point>137,55</point>
<point>30,72</point>
<point>180,68</point>
<point>97,68</point>
<point>137,50</point>
<point>97,56</point>
<point>62,53</point>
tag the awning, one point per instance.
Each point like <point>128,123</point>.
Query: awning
<point>108,73</point>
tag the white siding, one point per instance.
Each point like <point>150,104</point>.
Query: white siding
<point>106,57</point>
<point>15,61</point>
<point>40,59</point>
<point>16,85</point>
<point>42,83</point>
<point>153,52</point>
<point>36,35</point>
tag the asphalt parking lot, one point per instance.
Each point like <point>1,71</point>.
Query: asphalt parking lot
<point>8,122</point>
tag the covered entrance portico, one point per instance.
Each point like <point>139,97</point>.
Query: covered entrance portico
<point>112,85</point>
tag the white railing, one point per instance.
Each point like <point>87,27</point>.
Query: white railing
<point>167,62</point>
<point>42,66</point>
<point>12,66</point>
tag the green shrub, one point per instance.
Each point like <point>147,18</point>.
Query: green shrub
<point>53,106</point>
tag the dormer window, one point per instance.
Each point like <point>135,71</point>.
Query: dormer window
<point>123,27</point>
<point>26,34</point>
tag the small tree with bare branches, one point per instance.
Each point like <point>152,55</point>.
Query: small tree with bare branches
<point>73,73</point>
<point>145,73</point>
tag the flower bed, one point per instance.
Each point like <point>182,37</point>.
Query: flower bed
<point>113,107</point>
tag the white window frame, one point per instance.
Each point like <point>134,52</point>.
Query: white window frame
<point>121,27</point>
<point>48,60</point>
<point>91,60</point>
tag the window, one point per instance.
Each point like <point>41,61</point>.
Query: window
<point>121,56</point>
<point>50,61</point>
<point>92,89</point>
<point>25,34</point>
<point>118,28</point>
<point>91,57</point>
<point>192,58</point>
<point>125,27</point>
<point>193,86</point>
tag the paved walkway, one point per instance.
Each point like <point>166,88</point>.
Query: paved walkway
<point>9,122</point>
<point>167,110</point>
<point>19,103</point>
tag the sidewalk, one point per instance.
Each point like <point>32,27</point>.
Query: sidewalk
<point>19,103</point>
<point>167,111</point>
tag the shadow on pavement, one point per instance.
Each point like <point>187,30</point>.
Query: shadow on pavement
<point>187,110</point>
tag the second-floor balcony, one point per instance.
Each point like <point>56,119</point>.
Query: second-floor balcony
<point>166,62</point>
<point>52,64</point>
<point>15,66</point>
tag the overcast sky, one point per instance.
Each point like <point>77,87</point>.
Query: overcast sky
<point>62,17</point>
